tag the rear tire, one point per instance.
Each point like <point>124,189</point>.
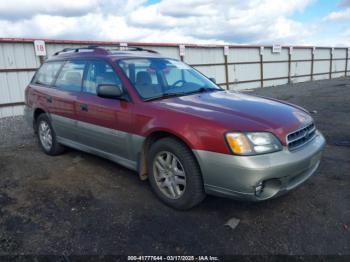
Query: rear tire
<point>47,136</point>
<point>174,174</point>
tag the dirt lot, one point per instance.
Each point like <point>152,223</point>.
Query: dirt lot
<point>81,204</point>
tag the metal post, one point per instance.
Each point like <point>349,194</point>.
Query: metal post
<point>41,59</point>
<point>182,55</point>
<point>226,74</point>
<point>346,62</point>
<point>261,67</point>
<point>182,71</point>
<point>182,52</point>
<point>289,66</point>
<point>331,64</point>
<point>312,63</point>
<point>226,53</point>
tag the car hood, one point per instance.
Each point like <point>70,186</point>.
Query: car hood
<point>241,112</point>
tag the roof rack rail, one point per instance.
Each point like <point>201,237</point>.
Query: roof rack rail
<point>137,48</point>
<point>125,48</point>
<point>77,49</point>
<point>106,50</point>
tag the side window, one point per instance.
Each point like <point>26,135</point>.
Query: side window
<point>47,73</point>
<point>151,73</point>
<point>99,73</point>
<point>71,76</point>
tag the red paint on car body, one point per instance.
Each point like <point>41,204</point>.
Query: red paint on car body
<point>200,120</point>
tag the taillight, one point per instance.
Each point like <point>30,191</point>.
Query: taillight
<point>26,94</point>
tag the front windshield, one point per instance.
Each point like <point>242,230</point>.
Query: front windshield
<point>159,77</point>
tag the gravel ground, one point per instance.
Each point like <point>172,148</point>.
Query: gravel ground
<point>77,203</point>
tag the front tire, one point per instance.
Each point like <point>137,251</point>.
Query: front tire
<point>174,174</point>
<point>47,136</point>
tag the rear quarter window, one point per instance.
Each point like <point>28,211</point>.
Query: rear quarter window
<point>47,73</point>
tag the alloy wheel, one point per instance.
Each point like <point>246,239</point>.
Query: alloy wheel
<point>45,135</point>
<point>169,174</point>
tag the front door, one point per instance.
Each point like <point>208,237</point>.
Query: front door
<point>103,123</point>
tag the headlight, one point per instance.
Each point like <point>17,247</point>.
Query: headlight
<point>253,143</point>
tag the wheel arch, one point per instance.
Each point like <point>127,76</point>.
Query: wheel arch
<point>36,113</point>
<point>151,139</point>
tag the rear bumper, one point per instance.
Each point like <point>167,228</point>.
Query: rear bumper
<point>28,115</point>
<point>239,176</point>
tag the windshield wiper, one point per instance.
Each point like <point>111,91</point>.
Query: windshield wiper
<point>171,94</point>
<point>165,95</point>
<point>204,89</point>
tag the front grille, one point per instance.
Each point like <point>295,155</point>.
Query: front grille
<point>301,136</point>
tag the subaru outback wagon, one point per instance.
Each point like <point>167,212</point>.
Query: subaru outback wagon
<point>172,125</point>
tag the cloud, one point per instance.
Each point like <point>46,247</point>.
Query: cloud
<point>339,15</point>
<point>19,9</point>
<point>194,21</point>
<point>344,3</point>
<point>24,9</point>
<point>229,21</point>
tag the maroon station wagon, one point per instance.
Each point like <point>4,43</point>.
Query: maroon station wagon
<point>172,125</point>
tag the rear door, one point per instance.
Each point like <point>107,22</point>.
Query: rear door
<point>103,124</point>
<point>66,89</point>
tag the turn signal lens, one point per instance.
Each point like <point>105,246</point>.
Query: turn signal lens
<point>239,143</point>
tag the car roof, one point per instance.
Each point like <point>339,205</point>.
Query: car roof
<point>113,53</point>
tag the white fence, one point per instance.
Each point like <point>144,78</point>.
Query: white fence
<point>238,67</point>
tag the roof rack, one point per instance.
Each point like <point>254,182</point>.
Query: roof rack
<point>104,50</point>
<point>76,50</point>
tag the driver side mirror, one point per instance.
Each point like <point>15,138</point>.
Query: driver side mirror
<point>109,91</point>
<point>212,79</point>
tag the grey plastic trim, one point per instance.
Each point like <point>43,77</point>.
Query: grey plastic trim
<point>28,115</point>
<point>119,146</point>
<point>117,159</point>
<point>237,176</point>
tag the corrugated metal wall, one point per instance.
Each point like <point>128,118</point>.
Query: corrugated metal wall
<point>244,67</point>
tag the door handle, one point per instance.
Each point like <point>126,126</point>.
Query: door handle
<point>49,99</point>
<point>84,107</point>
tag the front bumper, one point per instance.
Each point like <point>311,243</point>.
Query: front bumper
<point>279,172</point>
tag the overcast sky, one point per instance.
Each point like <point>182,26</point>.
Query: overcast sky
<point>292,22</point>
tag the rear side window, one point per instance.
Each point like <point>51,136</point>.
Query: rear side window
<point>99,73</point>
<point>71,76</point>
<point>47,73</point>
